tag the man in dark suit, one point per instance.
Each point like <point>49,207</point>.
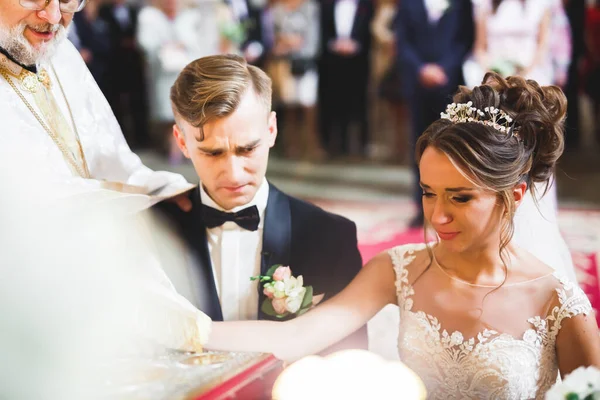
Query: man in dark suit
<point>575,10</point>
<point>432,45</point>
<point>344,72</point>
<point>250,13</point>
<point>240,224</point>
<point>127,93</point>
<point>91,37</point>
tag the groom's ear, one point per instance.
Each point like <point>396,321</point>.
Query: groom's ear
<point>519,192</point>
<point>272,126</point>
<point>180,140</point>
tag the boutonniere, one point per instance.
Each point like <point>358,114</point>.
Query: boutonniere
<point>286,294</point>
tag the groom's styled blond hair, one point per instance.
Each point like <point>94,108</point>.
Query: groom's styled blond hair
<point>212,87</point>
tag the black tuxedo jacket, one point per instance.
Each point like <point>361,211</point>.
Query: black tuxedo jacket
<point>320,246</point>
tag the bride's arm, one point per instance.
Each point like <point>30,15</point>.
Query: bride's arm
<point>578,343</point>
<point>369,292</point>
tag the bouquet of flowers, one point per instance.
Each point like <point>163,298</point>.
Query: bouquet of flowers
<point>286,294</point>
<point>581,384</point>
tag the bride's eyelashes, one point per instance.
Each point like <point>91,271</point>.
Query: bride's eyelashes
<point>462,199</point>
<point>457,199</point>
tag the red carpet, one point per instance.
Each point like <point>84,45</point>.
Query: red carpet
<point>382,226</point>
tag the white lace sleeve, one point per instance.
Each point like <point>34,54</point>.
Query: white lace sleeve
<point>401,257</point>
<point>572,301</point>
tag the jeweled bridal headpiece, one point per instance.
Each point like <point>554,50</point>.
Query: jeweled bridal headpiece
<point>491,116</point>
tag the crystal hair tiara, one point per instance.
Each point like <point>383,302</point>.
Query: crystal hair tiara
<point>490,116</point>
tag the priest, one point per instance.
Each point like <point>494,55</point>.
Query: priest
<point>61,144</point>
<point>53,113</point>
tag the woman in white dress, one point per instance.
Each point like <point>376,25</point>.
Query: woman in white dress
<point>294,72</point>
<point>479,317</point>
<point>166,55</point>
<point>512,37</point>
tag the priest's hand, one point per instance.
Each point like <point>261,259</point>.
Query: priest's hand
<point>183,202</point>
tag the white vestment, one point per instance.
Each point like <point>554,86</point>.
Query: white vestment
<point>107,154</point>
<point>35,173</point>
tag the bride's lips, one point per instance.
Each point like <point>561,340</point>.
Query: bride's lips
<point>41,35</point>
<point>447,235</point>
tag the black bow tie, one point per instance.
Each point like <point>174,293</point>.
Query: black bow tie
<point>247,218</point>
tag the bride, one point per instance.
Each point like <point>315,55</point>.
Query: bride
<point>479,316</point>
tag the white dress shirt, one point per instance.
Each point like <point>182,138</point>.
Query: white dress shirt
<point>122,15</point>
<point>436,9</point>
<point>239,8</point>
<point>344,14</point>
<point>235,254</point>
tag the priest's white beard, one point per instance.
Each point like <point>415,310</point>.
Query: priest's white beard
<point>16,44</point>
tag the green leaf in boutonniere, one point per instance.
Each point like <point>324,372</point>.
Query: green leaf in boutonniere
<point>307,301</point>
<point>285,294</point>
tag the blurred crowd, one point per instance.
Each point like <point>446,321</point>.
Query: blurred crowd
<point>351,78</point>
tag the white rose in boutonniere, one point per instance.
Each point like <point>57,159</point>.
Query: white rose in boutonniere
<point>286,294</point>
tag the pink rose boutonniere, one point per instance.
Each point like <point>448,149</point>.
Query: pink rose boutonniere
<point>286,294</point>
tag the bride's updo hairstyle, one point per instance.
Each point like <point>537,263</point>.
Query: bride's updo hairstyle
<point>515,135</point>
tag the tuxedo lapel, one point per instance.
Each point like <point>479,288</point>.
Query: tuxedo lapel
<point>277,236</point>
<point>277,231</point>
<point>208,297</point>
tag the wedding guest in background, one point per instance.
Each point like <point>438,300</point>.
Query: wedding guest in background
<point>293,68</point>
<point>344,74</point>
<point>560,44</point>
<point>389,110</point>
<point>127,93</point>
<point>513,37</point>
<point>433,40</point>
<point>256,43</point>
<point>592,63</point>
<point>91,35</point>
<point>165,55</point>
<point>576,12</point>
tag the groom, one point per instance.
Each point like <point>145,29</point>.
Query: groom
<point>240,224</point>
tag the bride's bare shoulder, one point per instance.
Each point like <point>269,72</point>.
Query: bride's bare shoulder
<point>525,267</point>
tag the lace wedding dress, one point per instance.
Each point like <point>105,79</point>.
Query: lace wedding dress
<point>505,352</point>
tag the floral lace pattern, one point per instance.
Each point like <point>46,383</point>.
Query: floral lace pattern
<point>491,365</point>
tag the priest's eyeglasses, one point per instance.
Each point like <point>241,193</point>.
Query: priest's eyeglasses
<point>65,6</point>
